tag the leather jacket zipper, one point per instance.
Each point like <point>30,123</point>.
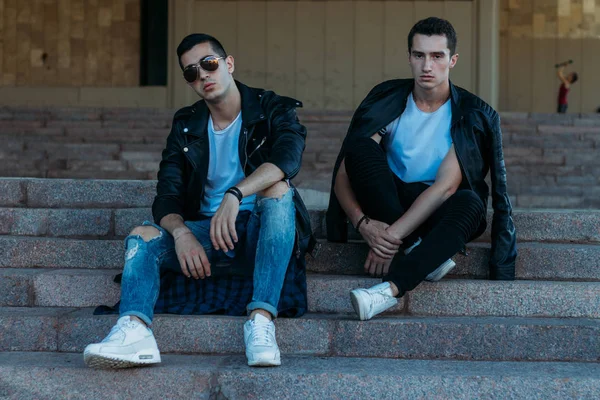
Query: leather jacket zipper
<point>245,150</point>
<point>258,147</point>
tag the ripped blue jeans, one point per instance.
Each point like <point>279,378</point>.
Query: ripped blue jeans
<point>266,243</point>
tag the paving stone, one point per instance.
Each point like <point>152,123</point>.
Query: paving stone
<point>144,166</point>
<point>96,166</point>
<point>466,338</point>
<point>6,221</point>
<point>52,253</point>
<point>501,298</point>
<point>533,225</point>
<point>535,261</point>
<point>12,192</point>
<point>29,329</point>
<point>16,287</point>
<point>574,200</point>
<point>63,375</point>
<point>28,221</point>
<point>71,222</point>
<point>568,130</point>
<point>152,156</point>
<point>74,124</point>
<point>127,219</point>
<point>76,288</point>
<point>489,338</point>
<point>553,225</point>
<point>89,194</point>
<point>96,175</point>
<point>330,294</point>
<point>74,113</point>
<point>79,151</point>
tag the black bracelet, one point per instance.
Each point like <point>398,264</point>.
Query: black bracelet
<point>363,218</point>
<point>236,192</point>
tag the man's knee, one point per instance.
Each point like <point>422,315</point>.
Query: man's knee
<point>147,232</point>
<point>469,202</point>
<point>469,197</point>
<point>276,191</point>
<point>358,148</point>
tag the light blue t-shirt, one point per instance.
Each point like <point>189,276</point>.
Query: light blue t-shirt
<point>417,142</point>
<point>224,168</point>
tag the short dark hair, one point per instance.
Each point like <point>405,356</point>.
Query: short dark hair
<point>434,26</point>
<point>575,77</point>
<point>198,38</point>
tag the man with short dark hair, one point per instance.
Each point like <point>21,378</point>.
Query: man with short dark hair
<point>230,231</point>
<point>410,175</point>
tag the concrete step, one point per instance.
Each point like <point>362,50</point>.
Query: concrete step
<point>459,338</point>
<point>542,261</point>
<point>553,225</point>
<point>64,375</point>
<point>329,294</point>
<point>69,193</point>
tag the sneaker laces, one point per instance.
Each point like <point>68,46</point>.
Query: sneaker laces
<point>262,334</point>
<point>117,333</point>
<point>379,298</point>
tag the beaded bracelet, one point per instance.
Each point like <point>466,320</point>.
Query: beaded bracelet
<point>363,218</point>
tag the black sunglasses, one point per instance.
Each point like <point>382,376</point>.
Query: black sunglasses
<point>208,63</point>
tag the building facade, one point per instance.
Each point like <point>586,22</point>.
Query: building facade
<point>326,53</point>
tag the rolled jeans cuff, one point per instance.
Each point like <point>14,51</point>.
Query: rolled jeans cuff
<point>138,314</point>
<point>256,305</point>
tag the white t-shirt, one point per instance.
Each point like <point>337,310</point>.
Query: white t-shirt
<point>224,168</point>
<point>417,142</point>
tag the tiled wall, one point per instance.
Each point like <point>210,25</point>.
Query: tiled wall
<point>69,43</point>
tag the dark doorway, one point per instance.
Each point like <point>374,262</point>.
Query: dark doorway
<point>154,37</point>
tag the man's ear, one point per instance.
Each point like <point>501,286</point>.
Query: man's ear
<point>230,64</point>
<point>453,60</point>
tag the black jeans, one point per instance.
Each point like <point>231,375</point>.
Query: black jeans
<point>384,197</point>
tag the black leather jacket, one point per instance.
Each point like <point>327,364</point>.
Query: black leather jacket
<point>477,138</point>
<point>270,132</point>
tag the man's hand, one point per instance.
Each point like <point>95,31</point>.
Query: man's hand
<point>381,242</point>
<point>377,266</point>
<point>191,256</point>
<point>222,224</point>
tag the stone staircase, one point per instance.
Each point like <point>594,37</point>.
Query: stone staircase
<point>464,337</point>
<point>551,159</point>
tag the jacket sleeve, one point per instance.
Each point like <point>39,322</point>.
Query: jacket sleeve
<point>504,239</point>
<point>289,140</point>
<point>170,189</point>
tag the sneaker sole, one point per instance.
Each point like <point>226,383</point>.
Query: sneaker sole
<point>265,362</point>
<point>103,361</point>
<point>356,305</point>
<point>441,271</point>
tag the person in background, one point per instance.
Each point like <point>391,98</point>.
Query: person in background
<point>565,86</point>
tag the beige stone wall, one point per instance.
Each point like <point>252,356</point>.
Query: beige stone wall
<point>328,54</point>
<point>537,34</point>
<point>69,43</point>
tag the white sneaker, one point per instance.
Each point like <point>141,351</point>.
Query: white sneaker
<point>129,344</point>
<point>261,346</point>
<point>440,271</point>
<point>369,302</point>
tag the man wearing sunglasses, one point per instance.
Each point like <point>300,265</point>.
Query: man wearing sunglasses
<point>411,175</point>
<point>230,231</point>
